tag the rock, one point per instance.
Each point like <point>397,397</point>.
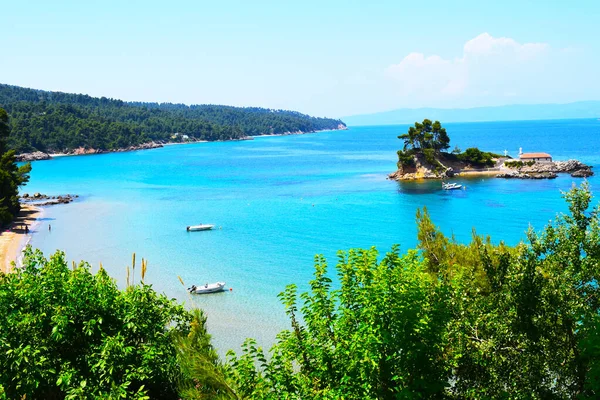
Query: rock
<point>548,170</point>
<point>35,156</point>
<point>542,175</point>
<point>531,175</point>
<point>25,195</point>
<point>37,197</point>
<point>570,166</point>
<point>582,173</point>
<point>510,175</point>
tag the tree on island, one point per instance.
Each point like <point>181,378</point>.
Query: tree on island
<point>426,135</point>
<point>11,176</point>
<point>430,141</point>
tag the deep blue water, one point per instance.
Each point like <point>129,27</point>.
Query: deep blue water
<point>281,200</point>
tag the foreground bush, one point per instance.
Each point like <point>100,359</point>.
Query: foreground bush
<point>73,334</point>
<point>474,321</point>
<point>452,321</point>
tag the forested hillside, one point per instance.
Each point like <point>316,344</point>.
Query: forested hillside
<point>60,122</point>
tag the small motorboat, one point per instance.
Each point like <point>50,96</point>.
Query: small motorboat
<point>201,227</point>
<point>207,288</point>
<point>451,186</point>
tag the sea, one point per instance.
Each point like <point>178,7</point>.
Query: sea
<point>277,201</point>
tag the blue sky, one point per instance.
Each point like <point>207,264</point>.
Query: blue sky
<point>326,58</point>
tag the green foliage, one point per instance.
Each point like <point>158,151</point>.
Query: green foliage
<point>476,157</point>
<point>203,376</point>
<point>11,176</point>
<point>426,139</point>
<point>72,334</point>
<point>381,335</point>
<point>453,321</point>
<point>54,121</point>
<point>406,158</point>
<point>518,164</point>
<point>426,135</point>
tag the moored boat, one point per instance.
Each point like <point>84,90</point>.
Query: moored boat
<point>207,288</point>
<point>201,227</point>
<point>451,186</point>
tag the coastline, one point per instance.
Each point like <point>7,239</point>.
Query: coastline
<point>40,156</point>
<point>537,170</point>
<point>14,239</point>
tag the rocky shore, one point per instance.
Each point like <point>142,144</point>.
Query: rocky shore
<point>548,170</point>
<point>510,170</point>
<point>39,155</point>
<point>39,199</point>
<point>35,156</point>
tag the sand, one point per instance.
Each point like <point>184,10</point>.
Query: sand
<point>472,173</point>
<point>13,241</point>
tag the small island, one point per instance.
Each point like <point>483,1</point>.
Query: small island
<point>425,156</point>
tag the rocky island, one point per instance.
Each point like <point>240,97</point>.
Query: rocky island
<point>425,156</point>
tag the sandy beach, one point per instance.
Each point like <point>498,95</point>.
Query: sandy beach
<point>13,240</point>
<point>475,173</point>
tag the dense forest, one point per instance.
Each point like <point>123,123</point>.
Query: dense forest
<point>60,122</point>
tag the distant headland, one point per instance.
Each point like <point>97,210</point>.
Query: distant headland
<point>45,123</point>
<point>425,156</point>
<point>515,112</point>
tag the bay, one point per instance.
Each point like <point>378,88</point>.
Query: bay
<point>279,201</point>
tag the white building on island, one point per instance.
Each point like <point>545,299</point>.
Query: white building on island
<point>538,157</point>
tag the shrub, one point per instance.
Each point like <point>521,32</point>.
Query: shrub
<point>73,334</point>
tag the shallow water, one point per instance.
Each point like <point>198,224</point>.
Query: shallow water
<point>277,202</point>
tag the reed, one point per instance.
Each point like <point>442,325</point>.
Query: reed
<point>133,268</point>
<point>144,268</point>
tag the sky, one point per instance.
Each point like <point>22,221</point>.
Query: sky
<point>324,58</point>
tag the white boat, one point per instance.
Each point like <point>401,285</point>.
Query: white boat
<point>451,186</point>
<point>207,288</point>
<point>201,227</point>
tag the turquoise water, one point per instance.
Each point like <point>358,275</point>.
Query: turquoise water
<point>278,201</point>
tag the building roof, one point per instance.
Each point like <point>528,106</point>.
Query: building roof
<point>535,155</point>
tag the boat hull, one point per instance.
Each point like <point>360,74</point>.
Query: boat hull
<point>195,228</point>
<point>208,288</point>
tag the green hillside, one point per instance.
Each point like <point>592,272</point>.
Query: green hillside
<point>60,122</point>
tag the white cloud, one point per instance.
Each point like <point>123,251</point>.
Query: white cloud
<point>487,45</point>
<point>490,70</point>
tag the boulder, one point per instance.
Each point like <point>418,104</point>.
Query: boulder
<point>35,156</point>
<point>582,173</point>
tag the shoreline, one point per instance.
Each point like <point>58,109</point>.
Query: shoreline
<point>152,145</point>
<point>15,239</point>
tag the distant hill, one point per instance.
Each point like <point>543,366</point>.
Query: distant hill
<point>62,122</point>
<point>581,109</point>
